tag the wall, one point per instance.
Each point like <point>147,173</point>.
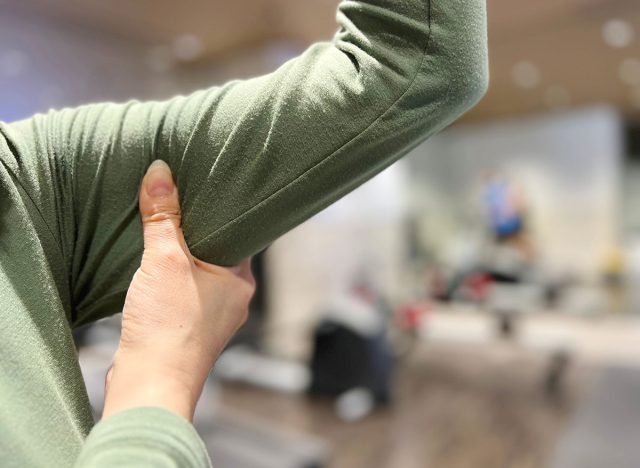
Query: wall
<point>45,65</point>
<point>362,234</point>
<point>569,165</point>
<point>49,64</point>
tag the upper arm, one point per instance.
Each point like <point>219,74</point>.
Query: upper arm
<point>254,158</point>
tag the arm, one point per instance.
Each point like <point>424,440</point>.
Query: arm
<point>252,159</point>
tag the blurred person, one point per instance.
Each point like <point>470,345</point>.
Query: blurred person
<point>252,159</point>
<point>511,254</point>
<point>505,205</point>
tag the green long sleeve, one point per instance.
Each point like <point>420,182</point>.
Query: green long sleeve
<point>252,160</point>
<point>143,438</point>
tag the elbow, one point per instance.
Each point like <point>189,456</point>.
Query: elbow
<point>466,71</point>
<point>477,72</point>
<point>468,86</point>
<point>478,82</point>
<point>460,85</point>
<point>460,52</point>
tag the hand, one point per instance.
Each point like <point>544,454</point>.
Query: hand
<point>179,312</point>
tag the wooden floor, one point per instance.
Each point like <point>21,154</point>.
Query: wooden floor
<point>455,407</point>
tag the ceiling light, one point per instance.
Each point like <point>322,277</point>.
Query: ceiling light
<point>187,47</point>
<point>617,33</point>
<point>526,75</point>
<point>557,96</point>
<point>629,71</point>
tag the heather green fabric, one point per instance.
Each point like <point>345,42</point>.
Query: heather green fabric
<point>143,437</point>
<point>252,159</point>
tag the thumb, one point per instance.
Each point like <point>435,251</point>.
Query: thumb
<point>160,209</point>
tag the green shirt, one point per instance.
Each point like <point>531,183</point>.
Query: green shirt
<point>252,159</point>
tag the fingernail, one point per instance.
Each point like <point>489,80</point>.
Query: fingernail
<point>159,179</point>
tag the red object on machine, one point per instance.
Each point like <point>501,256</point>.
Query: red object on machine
<point>411,315</point>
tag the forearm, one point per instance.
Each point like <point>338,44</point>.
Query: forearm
<point>397,73</point>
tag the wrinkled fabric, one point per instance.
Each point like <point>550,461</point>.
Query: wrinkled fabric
<point>252,159</point>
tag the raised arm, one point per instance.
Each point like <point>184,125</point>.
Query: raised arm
<point>252,158</point>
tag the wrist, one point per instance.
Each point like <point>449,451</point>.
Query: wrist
<point>139,380</point>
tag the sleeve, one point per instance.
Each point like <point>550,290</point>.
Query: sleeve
<point>254,158</point>
<point>143,437</point>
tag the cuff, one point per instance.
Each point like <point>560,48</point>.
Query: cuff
<point>144,437</point>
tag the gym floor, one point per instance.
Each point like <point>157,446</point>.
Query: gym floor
<point>455,407</point>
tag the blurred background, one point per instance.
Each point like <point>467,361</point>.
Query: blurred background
<point>477,304</point>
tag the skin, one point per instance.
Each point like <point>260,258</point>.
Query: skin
<point>179,312</point>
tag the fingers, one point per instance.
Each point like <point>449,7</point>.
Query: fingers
<point>160,209</point>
